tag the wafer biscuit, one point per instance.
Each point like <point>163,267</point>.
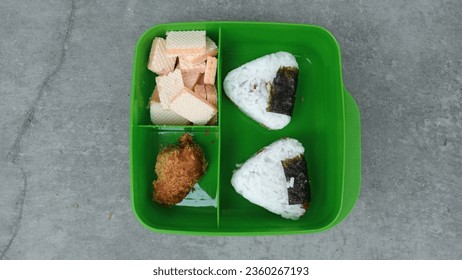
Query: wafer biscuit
<point>190,78</point>
<point>211,50</point>
<point>169,86</point>
<point>192,107</point>
<point>210,70</point>
<point>200,90</point>
<point>211,94</point>
<point>191,67</point>
<point>158,62</point>
<point>186,42</point>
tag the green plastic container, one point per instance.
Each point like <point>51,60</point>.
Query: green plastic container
<point>326,120</point>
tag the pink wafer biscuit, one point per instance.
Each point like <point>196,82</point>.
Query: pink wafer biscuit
<point>200,90</point>
<point>211,94</point>
<point>191,67</point>
<point>158,62</point>
<point>201,79</point>
<point>190,78</point>
<point>186,42</point>
<point>212,98</point>
<point>210,70</point>
<point>169,86</point>
<point>211,50</point>
<point>192,107</point>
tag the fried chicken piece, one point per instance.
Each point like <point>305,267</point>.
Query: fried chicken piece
<point>178,169</point>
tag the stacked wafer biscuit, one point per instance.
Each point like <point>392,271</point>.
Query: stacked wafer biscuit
<point>185,89</point>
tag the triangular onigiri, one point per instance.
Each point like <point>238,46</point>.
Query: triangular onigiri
<point>276,178</point>
<point>264,88</point>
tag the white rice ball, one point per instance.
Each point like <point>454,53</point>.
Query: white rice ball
<point>249,87</point>
<point>262,181</point>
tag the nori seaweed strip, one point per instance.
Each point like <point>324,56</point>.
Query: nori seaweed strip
<point>282,94</point>
<point>295,168</point>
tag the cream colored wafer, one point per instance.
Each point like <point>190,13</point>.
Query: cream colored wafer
<point>160,115</point>
<point>158,62</point>
<point>192,107</point>
<point>163,116</point>
<point>186,42</point>
<point>169,86</point>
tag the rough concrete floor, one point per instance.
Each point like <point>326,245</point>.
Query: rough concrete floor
<point>65,74</point>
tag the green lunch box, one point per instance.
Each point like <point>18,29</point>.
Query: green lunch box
<point>325,120</point>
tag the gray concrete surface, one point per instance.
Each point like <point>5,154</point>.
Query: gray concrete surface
<point>65,74</point>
